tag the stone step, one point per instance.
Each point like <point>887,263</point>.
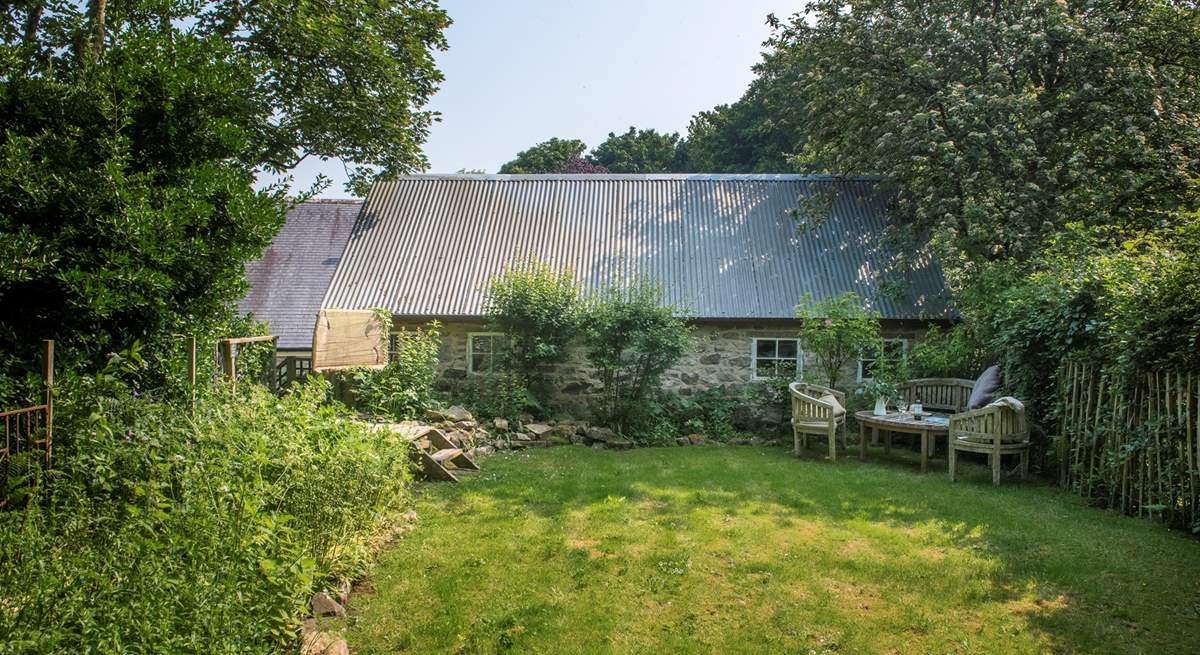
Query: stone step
<point>535,443</point>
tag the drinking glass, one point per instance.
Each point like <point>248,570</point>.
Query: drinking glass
<point>901,405</point>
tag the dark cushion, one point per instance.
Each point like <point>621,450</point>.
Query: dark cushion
<point>985,388</point>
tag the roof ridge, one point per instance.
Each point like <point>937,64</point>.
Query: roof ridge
<point>517,177</point>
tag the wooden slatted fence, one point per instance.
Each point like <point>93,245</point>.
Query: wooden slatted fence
<point>1132,443</point>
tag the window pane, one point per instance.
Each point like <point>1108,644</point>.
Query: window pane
<point>786,369</point>
<point>477,362</point>
<point>766,348</point>
<point>764,368</point>
<point>482,344</point>
<point>866,368</point>
<point>787,348</point>
<point>893,348</point>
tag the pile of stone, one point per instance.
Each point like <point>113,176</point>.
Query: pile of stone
<point>481,439</point>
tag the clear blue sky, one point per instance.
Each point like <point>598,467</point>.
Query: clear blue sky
<point>522,71</point>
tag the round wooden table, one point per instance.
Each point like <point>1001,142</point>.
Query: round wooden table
<point>898,422</point>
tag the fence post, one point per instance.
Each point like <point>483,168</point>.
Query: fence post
<point>192,371</point>
<point>48,376</point>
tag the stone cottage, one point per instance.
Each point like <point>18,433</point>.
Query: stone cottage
<point>735,252</point>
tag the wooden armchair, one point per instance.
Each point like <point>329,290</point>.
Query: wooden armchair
<point>817,410</point>
<point>998,429</point>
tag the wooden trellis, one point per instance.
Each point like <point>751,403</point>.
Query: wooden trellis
<point>228,349</point>
<point>1132,443</point>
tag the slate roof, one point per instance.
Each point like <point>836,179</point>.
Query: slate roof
<point>287,283</point>
<point>722,246</point>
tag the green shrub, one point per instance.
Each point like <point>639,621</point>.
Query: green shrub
<point>536,307</point>
<point>632,339</point>
<point>162,532</point>
<point>724,413</point>
<point>952,352</point>
<point>494,394</point>
<point>834,332</point>
<point>403,388</point>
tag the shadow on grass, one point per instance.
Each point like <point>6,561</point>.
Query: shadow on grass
<point>1082,578</point>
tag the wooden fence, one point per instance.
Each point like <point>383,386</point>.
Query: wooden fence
<point>1132,443</point>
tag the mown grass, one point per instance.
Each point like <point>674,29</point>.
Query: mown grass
<point>749,550</point>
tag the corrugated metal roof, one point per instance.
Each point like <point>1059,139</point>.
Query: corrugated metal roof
<point>289,280</point>
<point>722,246</point>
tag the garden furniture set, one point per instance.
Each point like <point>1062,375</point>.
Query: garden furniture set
<point>967,417</point>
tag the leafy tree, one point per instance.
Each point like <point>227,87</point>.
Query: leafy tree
<point>999,123</point>
<point>545,157</point>
<point>835,331</point>
<point>640,151</point>
<point>748,136</point>
<point>632,338</point>
<point>536,306</point>
<point>578,166</point>
<point>133,132</point>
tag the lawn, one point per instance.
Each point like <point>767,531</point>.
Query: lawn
<point>750,550</point>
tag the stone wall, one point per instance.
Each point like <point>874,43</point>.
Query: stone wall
<point>722,357</point>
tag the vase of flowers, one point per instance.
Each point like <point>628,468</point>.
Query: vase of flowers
<point>881,390</point>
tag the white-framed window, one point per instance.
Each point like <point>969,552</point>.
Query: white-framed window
<point>775,358</point>
<point>482,348</point>
<point>891,347</point>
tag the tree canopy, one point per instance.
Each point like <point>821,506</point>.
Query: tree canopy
<point>640,151</point>
<point>133,132</point>
<point>545,157</point>
<point>998,124</point>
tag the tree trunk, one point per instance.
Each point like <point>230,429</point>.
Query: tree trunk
<point>90,45</point>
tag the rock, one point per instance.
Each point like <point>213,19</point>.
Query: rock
<point>522,436</point>
<point>538,429</point>
<point>481,435</point>
<point>600,434</point>
<point>458,413</point>
<point>309,627</point>
<point>484,451</point>
<point>410,516</point>
<point>711,358</point>
<point>620,444</point>
<point>323,605</point>
<point>500,424</point>
<point>323,643</point>
<point>599,445</point>
<point>696,439</point>
<point>683,441</point>
<point>578,439</point>
<point>342,592</point>
<point>525,418</point>
<point>434,415</point>
<point>743,442</point>
<point>465,425</point>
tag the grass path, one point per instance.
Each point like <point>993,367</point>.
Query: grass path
<point>749,550</point>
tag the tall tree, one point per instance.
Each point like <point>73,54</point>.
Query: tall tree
<point>1000,123</point>
<point>748,136</point>
<point>546,157</point>
<point>133,132</point>
<point>640,151</point>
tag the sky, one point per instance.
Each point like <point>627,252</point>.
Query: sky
<point>522,71</point>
